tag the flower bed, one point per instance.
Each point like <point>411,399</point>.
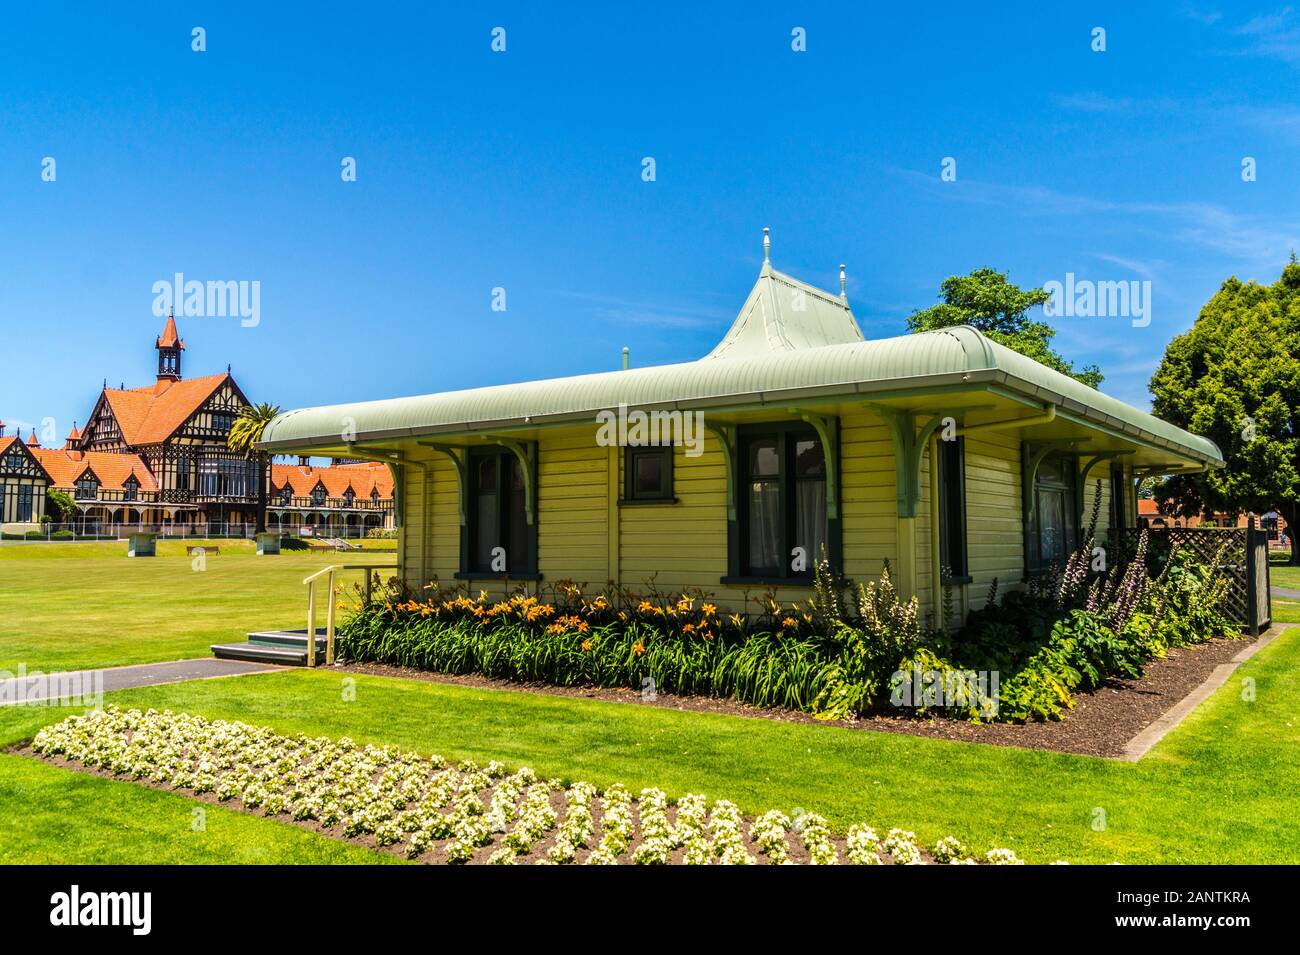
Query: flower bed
<point>839,656</point>
<point>435,812</point>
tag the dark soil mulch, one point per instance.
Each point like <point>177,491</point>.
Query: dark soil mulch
<point>1100,724</point>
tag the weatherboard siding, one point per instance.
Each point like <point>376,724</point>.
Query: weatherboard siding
<point>994,514</point>
<point>869,496</point>
<point>681,546</point>
<point>586,535</point>
<point>572,508</point>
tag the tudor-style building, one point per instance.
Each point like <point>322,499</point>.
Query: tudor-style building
<point>353,495</point>
<point>23,483</point>
<point>157,457</point>
<point>175,430</point>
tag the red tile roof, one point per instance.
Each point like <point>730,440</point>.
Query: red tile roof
<point>363,478</point>
<point>112,468</point>
<point>169,337</point>
<point>150,414</point>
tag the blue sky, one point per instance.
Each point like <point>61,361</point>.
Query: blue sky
<point>523,170</point>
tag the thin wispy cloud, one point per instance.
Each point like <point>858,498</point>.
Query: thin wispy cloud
<point>1272,35</point>
<point>1278,120</point>
<point>1206,17</point>
<point>1143,269</point>
<point>1095,103</point>
<point>1250,239</point>
<point>1268,25</point>
<point>653,314</point>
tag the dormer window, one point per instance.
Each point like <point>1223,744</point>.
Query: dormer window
<point>130,489</point>
<point>374,496</point>
<point>286,493</point>
<point>348,497</point>
<point>87,487</point>
<point>318,496</point>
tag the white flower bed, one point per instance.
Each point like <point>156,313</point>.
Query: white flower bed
<point>458,814</point>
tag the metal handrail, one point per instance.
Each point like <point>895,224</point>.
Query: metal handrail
<point>310,584</point>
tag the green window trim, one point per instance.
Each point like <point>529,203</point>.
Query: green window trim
<point>660,456</point>
<point>953,556</point>
<point>506,458</point>
<point>1118,498</point>
<point>783,438</point>
<point>1049,473</point>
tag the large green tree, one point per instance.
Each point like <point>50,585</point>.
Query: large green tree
<point>987,301</point>
<point>1235,378</point>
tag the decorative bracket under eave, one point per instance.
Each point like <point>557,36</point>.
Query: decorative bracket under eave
<point>462,475</point>
<point>397,469</point>
<point>828,429</point>
<point>1081,489</point>
<point>526,453</point>
<point>909,445</point>
<point>1031,456</point>
<point>726,435</point>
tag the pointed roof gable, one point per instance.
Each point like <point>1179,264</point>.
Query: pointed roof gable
<point>783,314</point>
<point>112,469</point>
<point>148,416</point>
<point>14,443</point>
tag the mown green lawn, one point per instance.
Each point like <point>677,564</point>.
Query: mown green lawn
<point>76,605</point>
<point>1284,575</point>
<point>50,815</point>
<point>1219,789</point>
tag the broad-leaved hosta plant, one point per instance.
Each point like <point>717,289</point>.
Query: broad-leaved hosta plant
<point>436,812</point>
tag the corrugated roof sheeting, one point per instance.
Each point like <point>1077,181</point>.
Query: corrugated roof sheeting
<point>850,369</point>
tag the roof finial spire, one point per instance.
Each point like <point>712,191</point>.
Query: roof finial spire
<point>767,244</point>
<point>844,284</point>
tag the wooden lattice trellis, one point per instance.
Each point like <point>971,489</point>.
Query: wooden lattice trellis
<point>1240,553</point>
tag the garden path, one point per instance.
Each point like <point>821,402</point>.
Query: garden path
<point>39,686</point>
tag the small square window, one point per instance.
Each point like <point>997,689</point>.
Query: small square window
<point>649,474</point>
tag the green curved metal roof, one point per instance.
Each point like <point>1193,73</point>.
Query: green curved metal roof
<point>868,369</point>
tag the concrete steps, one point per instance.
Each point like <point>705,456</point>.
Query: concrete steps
<point>282,647</point>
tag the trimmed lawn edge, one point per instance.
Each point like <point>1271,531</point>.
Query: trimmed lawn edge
<point>1146,740</point>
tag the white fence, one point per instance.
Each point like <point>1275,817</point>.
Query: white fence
<point>102,530</point>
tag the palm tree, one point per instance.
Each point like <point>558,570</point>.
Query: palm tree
<point>245,434</point>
